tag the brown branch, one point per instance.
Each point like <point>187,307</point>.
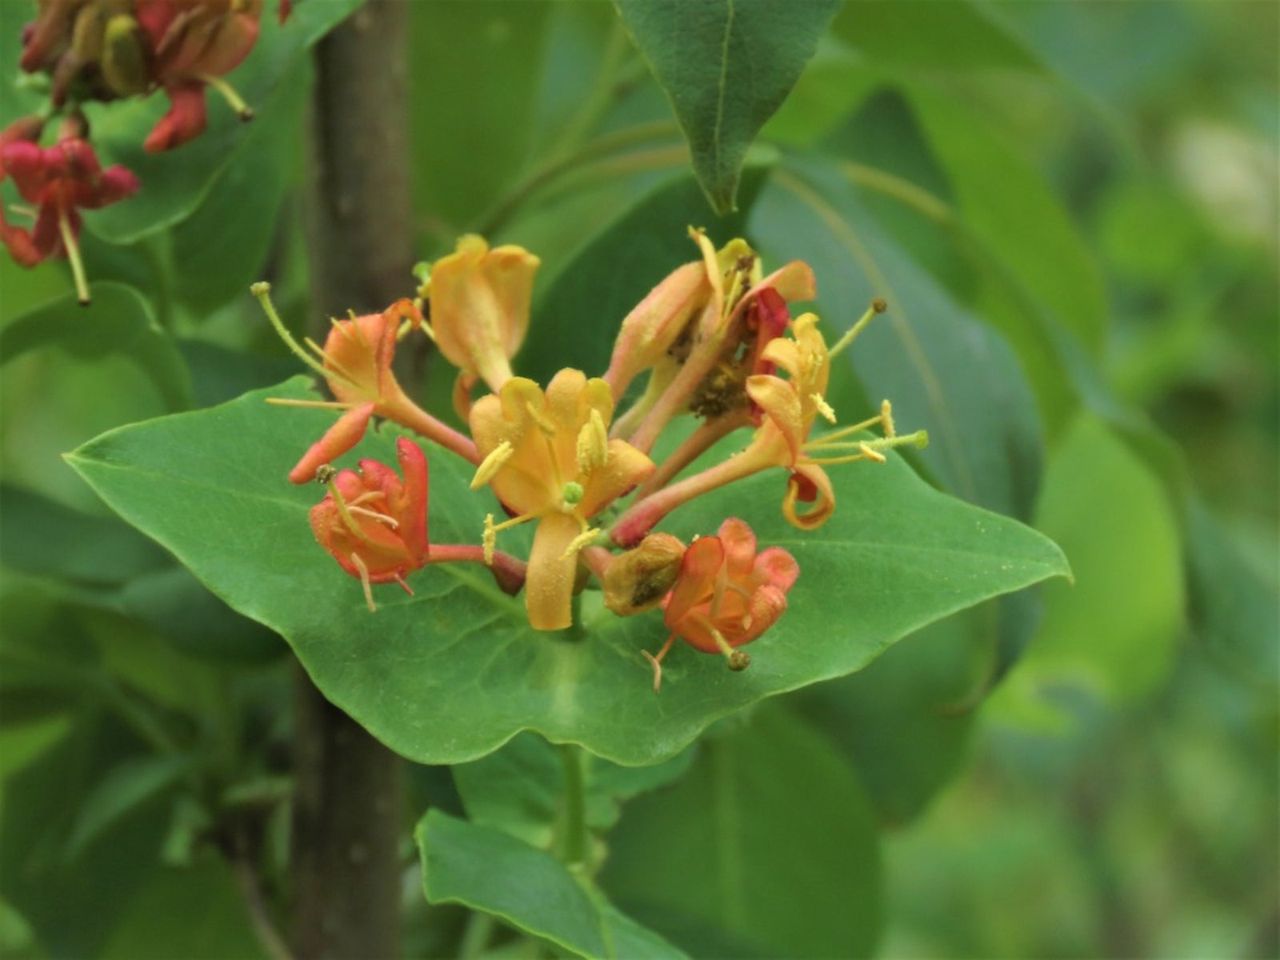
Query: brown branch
<point>348,816</point>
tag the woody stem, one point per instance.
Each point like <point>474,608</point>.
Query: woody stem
<point>346,849</point>
<point>643,515</point>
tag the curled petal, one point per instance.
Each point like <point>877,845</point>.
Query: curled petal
<point>185,120</point>
<point>782,405</point>
<point>809,483</point>
<point>778,568</point>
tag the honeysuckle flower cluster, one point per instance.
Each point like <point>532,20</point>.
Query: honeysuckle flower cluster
<point>103,50</point>
<point>575,457</point>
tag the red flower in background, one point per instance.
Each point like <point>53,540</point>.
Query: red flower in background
<point>193,43</point>
<point>373,523</point>
<point>60,180</point>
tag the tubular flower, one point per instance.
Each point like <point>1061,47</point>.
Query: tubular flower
<point>726,595</point>
<point>356,363</point>
<point>548,458</point>
<point>60,180</point>
<point>373,523</point>
<point>786,409</point>
<point>95,45</point>
<point>712,353</point>
<point>480,307</point>
<point>193,43</point>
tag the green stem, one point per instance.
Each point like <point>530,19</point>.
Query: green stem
<point>475,935</point>
<point>573,841</point>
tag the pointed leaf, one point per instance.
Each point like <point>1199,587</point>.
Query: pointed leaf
<point>726,66</point>
<point>493,872</point>
<point>452,672</point>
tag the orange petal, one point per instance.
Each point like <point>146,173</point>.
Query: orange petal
<point>337,440</point>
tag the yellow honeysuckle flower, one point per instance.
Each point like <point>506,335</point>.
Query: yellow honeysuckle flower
<point>547,457</point>
<point>480,307</point>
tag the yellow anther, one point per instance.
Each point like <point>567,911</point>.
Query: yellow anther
<point>887,419</point>
<point>540,418</point>
<point>492,464</point>
<point>593,443</point>
<point>871,454</point>
<point>824,408</point>
<point>490,539</point>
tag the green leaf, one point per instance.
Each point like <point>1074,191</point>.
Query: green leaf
<point>118,321</point>
<point>520,788</point>
<point>1233,596</point>
<point>726,66</point>
<point>222,247</point>
<point>123,789</point>
<point>576,317</point>
<point>45,538</point>
<point>21,743</point>
<point>1010,204</point>
<point>491,871</point>
<point>943,371</point>
<point>768,848</point>
<point>1114,631</point>
<point>449,674</point>
<point>175,183</point>
<point>954,37</point>
<point>471,60</point>
<point>197,913</point>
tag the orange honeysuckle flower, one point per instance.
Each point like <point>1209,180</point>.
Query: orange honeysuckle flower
<point>356,363</point>
<point>788,408</point>
<point>548,458</point>
<point>373,523</point>
<point>479,301</point>
<point>708,373</point>
<point>726,595</point>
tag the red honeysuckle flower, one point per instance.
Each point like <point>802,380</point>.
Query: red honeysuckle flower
<point>375,524</point>
<point>60,180</point>
<point>726,595</point>
<point>193,43</point>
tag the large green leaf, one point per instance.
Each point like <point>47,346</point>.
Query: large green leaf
<point>118,321</point>
<point>471,60</point>
<point>451,673</point>
<point>767,848</point>
<point>175,183</point>
<point>1113,632</point>
<point>726,65</point>
<point>495,873</point>
<point>942,369</point>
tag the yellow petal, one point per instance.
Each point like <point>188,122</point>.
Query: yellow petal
<point>548,588</point>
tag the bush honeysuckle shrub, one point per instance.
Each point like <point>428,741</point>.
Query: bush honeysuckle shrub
<point>701,490</point>
<point>712,338</point>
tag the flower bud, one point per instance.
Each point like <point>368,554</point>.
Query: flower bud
<point>656,323</point>
<point>637,580</point>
